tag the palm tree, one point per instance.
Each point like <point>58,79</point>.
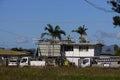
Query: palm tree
<point>82,31</point>
<point>53,32</point>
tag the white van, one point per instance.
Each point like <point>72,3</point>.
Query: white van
<point>27,61</point>
<point>13,62</point>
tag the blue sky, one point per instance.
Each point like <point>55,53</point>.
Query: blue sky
<point>21,21</point>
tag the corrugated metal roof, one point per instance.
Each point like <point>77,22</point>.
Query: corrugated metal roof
<point>66,43</point>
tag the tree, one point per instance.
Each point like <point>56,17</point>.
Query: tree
<point>117,50</point>
<point>53,32</point>
<point>69,38</point>
<point>117,53</point>
<point>82,31</point>
<point>116,8</point>
<point>28,51</point>
<point>15,49</point>
<point>116,47</point>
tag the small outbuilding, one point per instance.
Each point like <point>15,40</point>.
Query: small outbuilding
<point>5,55</point>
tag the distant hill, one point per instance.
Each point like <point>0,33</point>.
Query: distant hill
<point>108,50</point>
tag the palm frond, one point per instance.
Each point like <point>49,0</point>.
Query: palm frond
<point>62,32</point>
<point>59,37</point>
<point>53,32</point>
<point>49,28</point>
<point>81,30</point>
<point>43,34</point>
<point>85,33</point>
<point>58,34</point>
<point>74,30</point>
<point>57,28</point>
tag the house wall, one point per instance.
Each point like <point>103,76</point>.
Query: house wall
<point>88,53</point>
<point>76,53</point>
<point>49,50</point>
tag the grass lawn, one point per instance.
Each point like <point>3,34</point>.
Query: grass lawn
<point>59,73</point>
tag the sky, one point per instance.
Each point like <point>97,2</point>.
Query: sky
<point>23,21</point>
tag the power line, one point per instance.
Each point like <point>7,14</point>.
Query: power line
<point>53,22</point>
<point>15,34</point>
<point>97,7</point>
<point>19,40</point>
<point>12,33</point>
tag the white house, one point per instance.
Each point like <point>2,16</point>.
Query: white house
<point>71,51</point>
<point>75,51</point>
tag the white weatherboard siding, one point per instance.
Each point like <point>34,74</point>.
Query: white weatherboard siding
<point>49,49</point>
<point>88,53</point>
<point>77,53</point>
<point>69,53</point>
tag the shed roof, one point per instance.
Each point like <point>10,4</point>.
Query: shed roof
<point>66,43</point>
<point>10,52</point>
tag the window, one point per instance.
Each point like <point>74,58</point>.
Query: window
<point>85,61</point>
<point>83,48</point>
<point>118,62</point>
<point>68,48</point>
<point>23,60</point>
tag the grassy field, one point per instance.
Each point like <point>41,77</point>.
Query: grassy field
<point>59,73</point>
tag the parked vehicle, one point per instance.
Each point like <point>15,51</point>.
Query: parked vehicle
<point>103,61</point>
<point>86,62</point>
<point>13,62</point>
<point>27,61</point>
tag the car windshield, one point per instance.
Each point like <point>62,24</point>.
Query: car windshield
<point>23,60</point>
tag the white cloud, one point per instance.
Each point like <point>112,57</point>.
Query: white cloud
<point>22,40</point>
<point>118,35</point>
<point>103,34</point>
<point>107,35</point>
